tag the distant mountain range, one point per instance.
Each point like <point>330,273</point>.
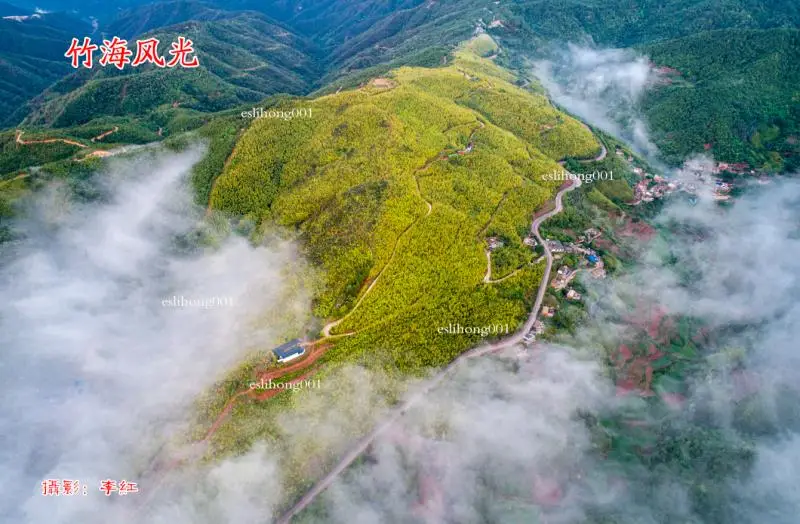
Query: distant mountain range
<point>32,47</point>
<point>250,50</point>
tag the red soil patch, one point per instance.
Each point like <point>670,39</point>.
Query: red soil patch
<point>431,498</point>
<point>638,230</point>
<point>549,206</point>
<point>606,245</point>
<point>546,492</point>
<point>313,354</point>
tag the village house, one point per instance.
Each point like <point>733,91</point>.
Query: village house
<point>529,241</point>
<point>573,295</point>
<point>288,351</point>
<point>592,233</point>
<point>738,168</point>
<point>555,246</point>
<point>564,276</point>
<point>538,327</point>
<point>548,312</point>
<point>598,272</point>
<point>494,243</point>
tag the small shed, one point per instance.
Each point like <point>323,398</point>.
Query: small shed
<point>288,351</point>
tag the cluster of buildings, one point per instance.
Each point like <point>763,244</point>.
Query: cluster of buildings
<point>593,262</point>
<point>705,176</point>
<point>721,190</point>
<point>650,188</point>
<point>557,247</point>
<point>740,168</point>
<point>564,276</point>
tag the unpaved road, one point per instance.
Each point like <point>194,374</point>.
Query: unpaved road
<point>103,135</point>
<point>423,391</point>
<point>46,141</point>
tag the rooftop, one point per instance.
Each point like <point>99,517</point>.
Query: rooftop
<point>288,349</point>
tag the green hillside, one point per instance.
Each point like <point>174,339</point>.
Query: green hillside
<point>243,59</point>
<point>32,50</point>
<point>624,23</point>
<point>142,19</point>
<point>382,200</point>
<point>736,91</point>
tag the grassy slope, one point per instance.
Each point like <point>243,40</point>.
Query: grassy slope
<point>738,91</point>
<point>356,179</point>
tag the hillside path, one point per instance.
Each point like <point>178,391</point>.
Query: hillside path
<point>394,415</point>
<point>46,141</point>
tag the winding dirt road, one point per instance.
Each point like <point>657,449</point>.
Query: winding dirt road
<point>46,141</point>
<point>103,135</point>
<point>426,388</point>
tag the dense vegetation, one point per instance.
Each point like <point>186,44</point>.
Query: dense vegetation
<point>735,91</point>
<point>378,191</point>
<point>243,59</point>
<point>31,55</point>
<point>246,56</point>
<point>621,23</point>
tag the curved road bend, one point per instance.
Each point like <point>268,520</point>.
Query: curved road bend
<point>398,412</point>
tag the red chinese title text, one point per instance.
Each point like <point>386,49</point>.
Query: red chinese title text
<point>115,52</point>
<point>59,487</point>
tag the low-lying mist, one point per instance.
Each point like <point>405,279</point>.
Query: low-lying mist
<point>98,370</point>
<point>99,374</point>
<point>602,87</point>
<point>519,441</point>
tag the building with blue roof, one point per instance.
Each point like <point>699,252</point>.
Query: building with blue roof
<point>288,351</point>
<point>593,259</point>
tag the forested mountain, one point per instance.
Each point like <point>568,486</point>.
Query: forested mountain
<point>623,23</point>
<point>243,58</point>
<point>400,182</point>
<point>734,93</point>
<point>300,47</point>
<point>142,19</point>
<point>32,49</point>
